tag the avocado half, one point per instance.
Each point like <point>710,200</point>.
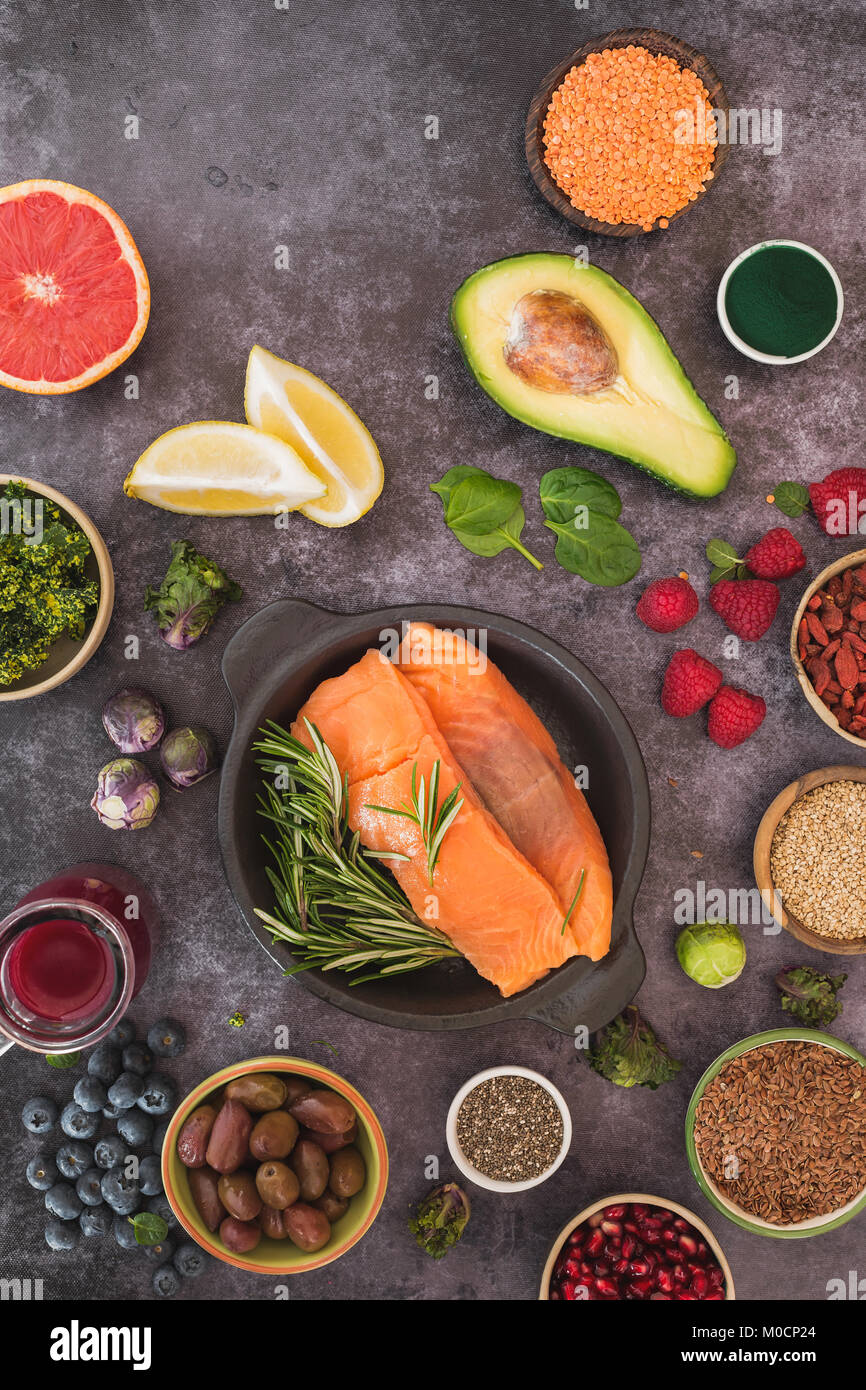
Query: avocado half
<point>650,414</point>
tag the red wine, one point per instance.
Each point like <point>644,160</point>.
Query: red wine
<point>60,970</point>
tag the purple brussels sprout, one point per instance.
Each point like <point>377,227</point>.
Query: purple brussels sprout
<point>134,720</point>
<point>126,795</point>
<point>188,755</point>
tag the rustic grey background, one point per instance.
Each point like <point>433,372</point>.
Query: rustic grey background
<point>260,127</point>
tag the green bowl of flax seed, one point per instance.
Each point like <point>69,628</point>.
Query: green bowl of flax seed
<point>776,1133</point>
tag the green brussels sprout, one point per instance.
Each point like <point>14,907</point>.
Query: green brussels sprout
<point>711,953</point>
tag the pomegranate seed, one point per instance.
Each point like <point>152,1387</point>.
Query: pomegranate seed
<point>717,1275</point>
<point>611,1228</point>
<point>572,1269</point>
<point>568,1288</point>
<point>686,1298</point>
<point>615,1213</point>
<point>554,1296</point>
<point>607,1288</point>
<point>651,1236</point>
<point>657,1297</point>
<point>628,1247</point>
<point>662,1214</point>
<point>640,1287</point>
<point>613,1249</point>
<point>695,1267</point>
<point>621,1267</point>
<point>703,1250</point>
<point>665,1281</point>
<point>601,1269</point>
<point>639,1211</point>
<point>700,1284</point>
<point>596,1219</point>
<point>669,1237</point>
<point>680,1224</point>
<point>585,1269</point>
<point>680,1274</point>
<point>714,1298</point>
<point>641,1267</point>
<point>594,1244</point>
<point>688,1245</point>
<point>632,1227</point>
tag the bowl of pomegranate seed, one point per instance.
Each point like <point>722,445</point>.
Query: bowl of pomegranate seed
<point>636,1248</point>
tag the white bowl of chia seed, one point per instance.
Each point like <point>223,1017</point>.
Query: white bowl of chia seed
<point>508,1129</point>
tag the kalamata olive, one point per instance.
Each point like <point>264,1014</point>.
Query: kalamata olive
<point>270,1222</point>
<point>306,1227</point>
<point>331,1142</point>
<point>273,1135</point>
<point>193,1139</point>
<point>239,1195</point>
<point>333,1206</point>
<point>324,1111</point>
<point>348,1172</point>
<point>295,1088</point>
<point>204,1189</point>
<point>229,1138</point>
<point>258,1091</point>
<point>277,1185</point>
<point>239,1236</point>
<point>310,1165</point>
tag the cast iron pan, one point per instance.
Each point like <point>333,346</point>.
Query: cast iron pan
<point>272,665</point>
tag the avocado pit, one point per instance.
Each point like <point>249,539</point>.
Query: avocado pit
<point>554,344</point>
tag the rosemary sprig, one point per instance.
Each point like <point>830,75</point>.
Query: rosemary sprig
<point>333,906</point>
<point>432,820</point>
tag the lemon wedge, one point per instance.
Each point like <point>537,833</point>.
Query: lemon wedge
<point>219,468</point>
<point>300,409</point>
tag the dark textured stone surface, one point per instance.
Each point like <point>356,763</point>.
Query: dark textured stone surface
<point>316,119</point>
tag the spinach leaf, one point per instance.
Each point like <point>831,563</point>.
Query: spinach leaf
<point>483,512</point>
<point>563,490</point>
<point>603,552</point>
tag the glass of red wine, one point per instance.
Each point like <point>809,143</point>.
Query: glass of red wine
<point>73,953</point>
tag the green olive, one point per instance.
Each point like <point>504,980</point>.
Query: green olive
<point>258,1090</point>
<point>273,1135</point>
<point>348,1172</point>
<point>238,1194</point>
<point>277,1185</point>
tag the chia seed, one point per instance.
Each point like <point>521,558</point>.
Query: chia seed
<point>510,1128</point>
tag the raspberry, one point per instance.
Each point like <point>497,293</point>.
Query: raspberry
<point>777,555</point>
<point>746,606</point>
<point>831,502</point>
<point>690,681</point>
<point>667,604</point>
<point>734,716</point>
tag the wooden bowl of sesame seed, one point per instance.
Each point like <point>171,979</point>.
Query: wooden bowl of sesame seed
<point>658,45</point>
<point>811,877</point>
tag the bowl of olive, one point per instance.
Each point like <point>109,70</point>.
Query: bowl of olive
<point>276,1165</point>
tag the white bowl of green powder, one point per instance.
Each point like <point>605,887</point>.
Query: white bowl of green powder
<point>508,1129</point>
<point>780,302</point>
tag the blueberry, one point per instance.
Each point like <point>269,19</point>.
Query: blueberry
<point>112,1112</point>
<point>135,1127</point>
<point>167,1038</point>
<point>110,1152</point>
<point>61,1236</point>
<point>166,1282</point>
<point>95,1221</point>
<point>74,1158</point>
<point>90,1094</point>
<point>39,1115</point>
<point>120,1192</point>
<point>63,1202</point>
<point>137,1058</point>
<point>126,1090</point>
<point>189,1260</point>
<point>159,1095</point>
<point>42,1172</point>
<point>77,1123</point>
<point>158,1139</point>
<point>150,1176</point>
<point>123,1033</point>
<point>104,1063</point>
<point>160,1252</point>
<point>124,1233</point>
<point>89,1187</point>
<point>161,1206</point>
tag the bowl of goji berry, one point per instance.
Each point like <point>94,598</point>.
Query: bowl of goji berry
<point>828,646</point>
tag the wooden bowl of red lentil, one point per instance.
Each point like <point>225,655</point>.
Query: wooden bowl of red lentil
<point>816,863</point>
<point>659,45</point>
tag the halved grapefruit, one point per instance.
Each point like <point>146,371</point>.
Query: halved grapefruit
<point>74,295</point>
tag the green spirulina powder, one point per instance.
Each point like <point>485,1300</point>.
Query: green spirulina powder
<point>781,300</point>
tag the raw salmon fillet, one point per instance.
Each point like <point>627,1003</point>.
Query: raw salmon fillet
<point>513,764</point>
<point>495,907</point>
